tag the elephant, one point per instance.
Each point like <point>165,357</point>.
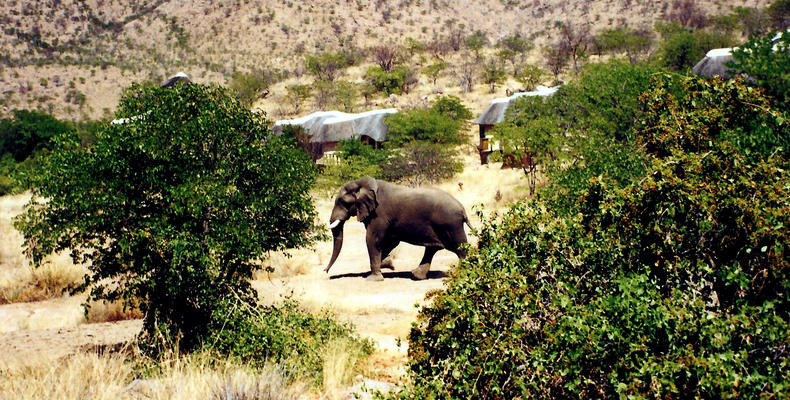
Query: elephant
<point>392,214</point>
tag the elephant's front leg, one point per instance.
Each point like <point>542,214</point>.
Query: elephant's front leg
<point>374,251</point>
<point>421,272</point>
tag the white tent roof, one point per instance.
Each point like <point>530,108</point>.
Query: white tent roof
<point>714,64</point>
<point>495,112</point>
<point>334,126</point>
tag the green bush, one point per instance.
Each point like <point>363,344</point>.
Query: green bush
<point>339,171</point>
<point>25,140</point>
<point>682,49</point>
<point>171,208</point>
<point>767,62</point>
<point>284,334</point>
<point>591,121</point>
<point>443,123</point>
<point>672,287</point>
<point>27,132</point>
<point>249,87</point>
<point>398,80</point>
<point>421,162</point>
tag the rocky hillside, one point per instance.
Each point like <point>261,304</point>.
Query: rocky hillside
<point>74,57</point>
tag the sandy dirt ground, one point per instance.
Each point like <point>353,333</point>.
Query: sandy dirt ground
<point>381,311</point>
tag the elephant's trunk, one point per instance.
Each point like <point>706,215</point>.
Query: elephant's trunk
<point>337,233</point>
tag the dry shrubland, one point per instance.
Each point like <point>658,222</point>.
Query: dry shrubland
<point>19,282</point>
<point>113,377</point>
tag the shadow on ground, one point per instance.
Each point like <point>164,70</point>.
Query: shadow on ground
<point>398,275</point>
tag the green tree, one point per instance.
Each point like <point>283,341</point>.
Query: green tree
<point>421,162</point>
<point>249,87</point>
<point>398,80</point>
<point>476,41</point>
<point>297,95</point>
<point>556,58</point>
<point>434,70</point>
<point>443,123</point>
<point>529,76</point>
<point>531,144</point>
<point>171,208</point>
<point>325,66</point>
<point>682,48</point>
<point>627,40</point>
<point>493,73</point>
<point>767,62</point>
<point>346,95</point>
<point>513,48</point>
<point>453,107</point>
<point>28,132</point>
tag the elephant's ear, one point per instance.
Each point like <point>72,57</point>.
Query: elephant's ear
<point>366,197</point>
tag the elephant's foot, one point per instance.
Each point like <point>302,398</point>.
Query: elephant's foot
<point>387,263</point>
<point>375,277</point>
<point>421,272</point>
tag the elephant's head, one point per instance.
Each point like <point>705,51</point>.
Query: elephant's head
<point>354,198</point>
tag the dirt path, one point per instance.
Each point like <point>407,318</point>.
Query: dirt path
<point>382,311</point>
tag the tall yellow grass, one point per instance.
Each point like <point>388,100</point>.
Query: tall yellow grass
<point>19,282</point>
<point>112,377</point>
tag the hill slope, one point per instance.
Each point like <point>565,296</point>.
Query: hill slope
<point>73,57</point>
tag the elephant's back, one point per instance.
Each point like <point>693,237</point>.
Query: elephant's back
<point>434,203</point>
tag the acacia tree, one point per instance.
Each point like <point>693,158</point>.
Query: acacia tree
<point>493,73</point>
<point>170,206</point>
<point>529,143</point>
<point>575,39</point>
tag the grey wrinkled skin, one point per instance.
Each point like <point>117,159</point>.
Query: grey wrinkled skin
<point>392,214</point>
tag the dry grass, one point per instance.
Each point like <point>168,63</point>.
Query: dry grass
<point>203,376</point>
<point>339,369</point>
<point>104,311</point>
<point>82,376</point>
<point>288,263</point>
<point>18,281</point>
<point>110,376</point>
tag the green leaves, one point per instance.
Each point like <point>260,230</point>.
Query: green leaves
<point>171,207</point>
<point>673,286</point>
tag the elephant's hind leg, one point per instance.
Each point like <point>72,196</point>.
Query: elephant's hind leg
<point>421,272</point>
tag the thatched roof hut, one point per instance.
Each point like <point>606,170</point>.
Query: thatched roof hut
<point>715,64</point>
<point>329,127</point>
<point>495,113</point>
<point>179,77</point>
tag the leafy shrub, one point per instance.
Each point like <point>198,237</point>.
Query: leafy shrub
<point>421,162</point>
<point>682,48</point>
<point>25,139</point>
<point>767,62</point>
<point>442,123</point>
<point>339,171</point>
<point>589,130</point>
<point>327,65</point>
<point>249,87</point>
<point>398,80</point>
<point>673,287</point>
<point>27,132</point>
<point>281,333</point>
<point>171,207</point>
